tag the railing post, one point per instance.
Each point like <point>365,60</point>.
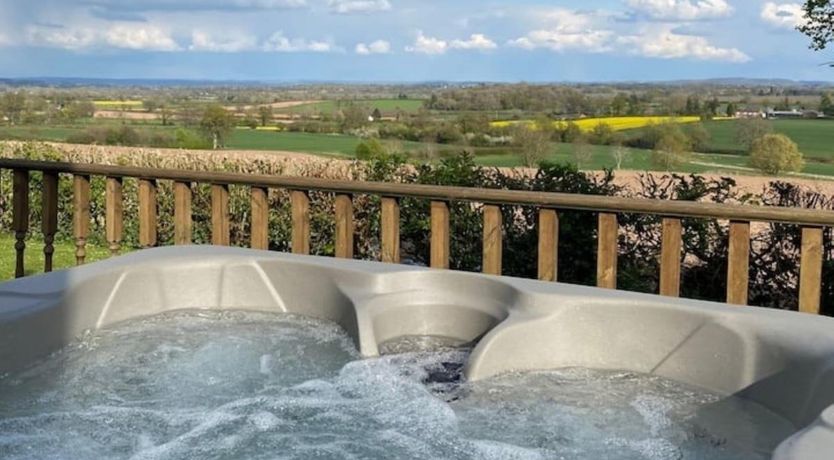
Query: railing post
<point>147,213</point>
<point>607,251</point>
<point>548,244</point>
<point>220,215</point>
<point>20,217</point>
<point>810,270</point>
<point>390,229</point>
<point>492,240</point>
<point>670,258</point>
<point>49,224</point>
<point>439,234</point>
<point>259,238</point>
<point>344,226</point>
<point>738,263</point>
<point>300,222</point>
<point>182,213</point>
<point>81,215</point>
<point>114,214</point>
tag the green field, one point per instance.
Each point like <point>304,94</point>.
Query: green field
<point>64,256</point>
<point>386,106</point>
<point>815,137</point>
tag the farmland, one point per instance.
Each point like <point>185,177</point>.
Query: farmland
<point>386,106</point>
<point>615,123</point>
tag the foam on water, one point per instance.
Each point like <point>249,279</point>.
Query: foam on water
<point>201,385</point>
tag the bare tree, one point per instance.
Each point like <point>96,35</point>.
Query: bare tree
<point>621,155</point>
<point>533,144</point>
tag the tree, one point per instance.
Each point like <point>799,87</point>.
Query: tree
<point>775,154</point>
<point>699,137</point>
<point>217,123</point>
<point>819,24</point>
<point>750,129</point>
<point>582,153</point>
<point>376,114</point>
<point>671,150</point>
<point>572,133</point>
<point>621,155</point>
<point>826,105</point>
<point>12,106</point>
<point>731,110</point>
<point>151,105</point>
<point>533,145</point>
<point>602,134</point>
<point>265,114</point>
<point>370,149</point>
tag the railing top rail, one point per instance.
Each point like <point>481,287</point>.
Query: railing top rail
<point>567,201</point>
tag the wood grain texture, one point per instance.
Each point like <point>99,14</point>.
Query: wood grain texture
<point>607,251</point>
<point>49,221</point>
<point>147,213</point>
<point>182,213</point>
<point>738,263</point>
<point>80,215</point>
<point>114,214</point>
<point>220,218</point>
<point>492,242</point>
<point>670,257</point>
<point>548,244</point>
<point>344,226</point>
<point>810,270</point>
<point>439,235</point>
<point>300,222</point>
<point>259,238</point>
<point>390,230</point>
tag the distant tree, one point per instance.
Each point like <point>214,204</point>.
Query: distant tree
<point>712,107</point>
<point>572,133</point>
<point>265,114</point>
<point>698,136</point>
<point>671,150</point>
<point>750,129</point>
<point>151,105</point>
<point>473,123</point>
<point>12,106</point>
<point>775,154</point>
<point>602,134</point>
<point>819,24</point>
<point>533,145</point>
<point>370,149</point>
<point>582,153</point>
<point>165,115</point>
<point>619,105</point>
<point>826,105</point>
<point>620,154</point>
<point>353,116</point>
<point>217,124</point>
<point>79,109</point>
<point>731,110</point>
<point>545,124</point>
<point>377,115</point>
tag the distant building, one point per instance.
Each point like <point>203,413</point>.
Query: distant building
<point>750,114</point>
<point>792,114</point>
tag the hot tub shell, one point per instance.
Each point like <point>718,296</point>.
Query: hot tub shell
<point>781,360</point>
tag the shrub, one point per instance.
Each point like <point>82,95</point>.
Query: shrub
<point>671,150</point>
<point>775,154</point>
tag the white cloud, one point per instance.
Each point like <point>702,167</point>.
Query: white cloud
<point>278,43</point>
<point>568,30</point>
<point>4,40</point>
<point>475,42</point>
<point>358,6</point>
<point>682,10</point>
<point>784,15</point>
<point>427,45</point>
<point>663,43</point>
<point>59,37</point>
<point>230,43</point>
<point>140,37</point>
<point>376,47</point>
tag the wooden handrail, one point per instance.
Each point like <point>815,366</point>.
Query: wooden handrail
<point>565,201</point>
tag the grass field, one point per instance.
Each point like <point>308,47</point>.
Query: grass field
<point>815,137</point>
<point>111,104</point>
<point>64,256</point>
<point>386,106</point>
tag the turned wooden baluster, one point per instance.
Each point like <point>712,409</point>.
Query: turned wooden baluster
<point>114,214</point>
<point>81,215</point>
<point>20,217</point>
<point>49,223</point>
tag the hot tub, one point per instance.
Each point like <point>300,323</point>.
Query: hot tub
<point>779,360</point>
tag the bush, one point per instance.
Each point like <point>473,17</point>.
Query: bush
<point>775,153</point>
<point>671,150</point>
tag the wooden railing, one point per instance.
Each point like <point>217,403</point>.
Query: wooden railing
<point>549,205</point>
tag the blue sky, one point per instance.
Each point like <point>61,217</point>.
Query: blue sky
<point>407,40</point>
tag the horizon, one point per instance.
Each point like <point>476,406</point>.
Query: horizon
<point>408,41</point>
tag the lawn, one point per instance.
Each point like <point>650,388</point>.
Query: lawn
<point>326,144</point>
<point>64,256</point>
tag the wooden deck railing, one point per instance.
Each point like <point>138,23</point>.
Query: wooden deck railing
<point>549,205</point>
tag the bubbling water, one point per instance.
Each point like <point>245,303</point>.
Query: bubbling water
<point>227,385</point>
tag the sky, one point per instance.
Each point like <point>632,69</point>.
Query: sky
<point>407,40</point>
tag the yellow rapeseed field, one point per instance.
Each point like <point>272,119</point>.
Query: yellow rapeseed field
<point>116,104</point>
<point>616,123</point>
